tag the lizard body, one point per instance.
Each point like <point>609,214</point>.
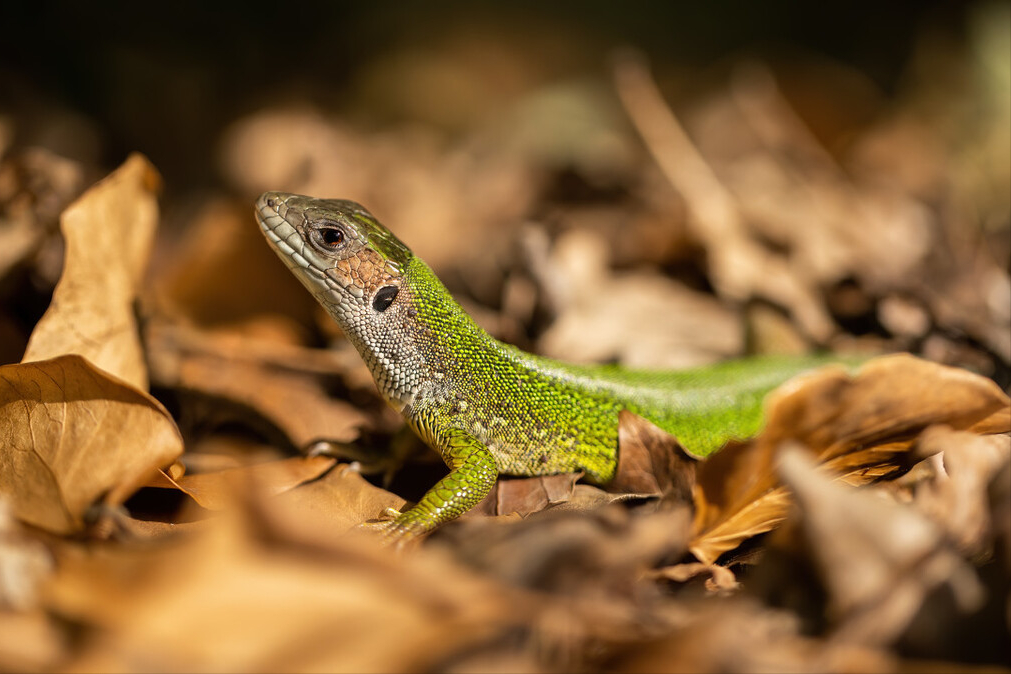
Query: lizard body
<point>487,407</point>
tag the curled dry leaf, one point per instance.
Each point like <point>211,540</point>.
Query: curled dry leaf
<point>957,498</point>
<point>651,461</point>
<point>587,497</point>
<point>861,427</point>
<point>717,578</point>
<point>216,490</point>
<point>879,560</point>
<point>72,434</point>
<point>108,232</point>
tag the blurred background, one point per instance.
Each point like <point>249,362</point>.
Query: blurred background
<point>858,153</point>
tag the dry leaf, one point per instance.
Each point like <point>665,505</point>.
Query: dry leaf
<point>78,425</point>
<point>132,529</point>
<point>651,461</point>
<point>31,642</point>
<point>340,500</point>
<point>232,598</point>
<point>217,490</point>
<point>860,427</point>
<point>108,232</point>
<point>24,564</point>
<point>232,368</point>
<point>224,272</point>
<point>742,636</point>
<point>587,497</point>
<point>880,561</point>
<point>70,434</point>
<point>718,578</point>
<point>601,553</point>
<point>740,266</point>
<point>957,498</point>
<point>526,495</point>
<point>675,327</point>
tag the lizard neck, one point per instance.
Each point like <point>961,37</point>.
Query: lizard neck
<point>420,343</point>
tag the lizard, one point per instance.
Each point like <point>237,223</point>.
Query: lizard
<point>487,407</point>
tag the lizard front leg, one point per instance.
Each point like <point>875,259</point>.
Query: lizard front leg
<point>471,476</point>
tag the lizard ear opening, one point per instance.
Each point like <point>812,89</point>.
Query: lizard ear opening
<point>384,298</point>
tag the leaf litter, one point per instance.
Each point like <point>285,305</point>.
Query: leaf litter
<point>865,528</point>
<point>83,378</point>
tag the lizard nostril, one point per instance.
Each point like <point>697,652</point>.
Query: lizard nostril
<point>271,201</point>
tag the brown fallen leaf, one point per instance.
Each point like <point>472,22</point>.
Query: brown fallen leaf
<point>77,423</point>
<point>526,495</point>
<point>216,490</point>
<point>232,368</point>
<point>244,595</point>
<point>740,635</point>
<point>31,641</point>
<point>108,233</point>
<point>339,501</point>
<point>131,529</point>
<point>879,560</point>
<point>717,578</point>
<point>651,461</point>
<point>676,327</point>
<point>24,564</point>
<point>601,553</point>
<point>860,427</point>
<point>70,434</point>
<point>740,266</point>
<point>957,497</point>
<point>587,497</point>
<point>224,273</point>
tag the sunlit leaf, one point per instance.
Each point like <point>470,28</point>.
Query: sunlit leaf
<point>861,427</point>
<point>70,434</point>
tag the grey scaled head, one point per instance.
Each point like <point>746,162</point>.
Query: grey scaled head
<point>337,249</point>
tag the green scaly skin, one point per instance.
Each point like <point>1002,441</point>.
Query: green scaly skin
<point>487,407</point>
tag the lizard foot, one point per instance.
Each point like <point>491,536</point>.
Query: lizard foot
<point>393,528</point>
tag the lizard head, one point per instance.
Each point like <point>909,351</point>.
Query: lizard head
<point>338,250</point>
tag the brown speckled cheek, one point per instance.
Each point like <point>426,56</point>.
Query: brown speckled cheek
<point>346,271</point>
<point>372,273</point>
<point>366,269</point>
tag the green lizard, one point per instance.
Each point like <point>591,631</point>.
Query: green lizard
<point>487,407</point>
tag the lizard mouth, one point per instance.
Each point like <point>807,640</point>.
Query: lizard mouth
<point>284,237</point>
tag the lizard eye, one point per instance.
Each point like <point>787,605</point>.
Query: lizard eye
<point>328,237</point>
